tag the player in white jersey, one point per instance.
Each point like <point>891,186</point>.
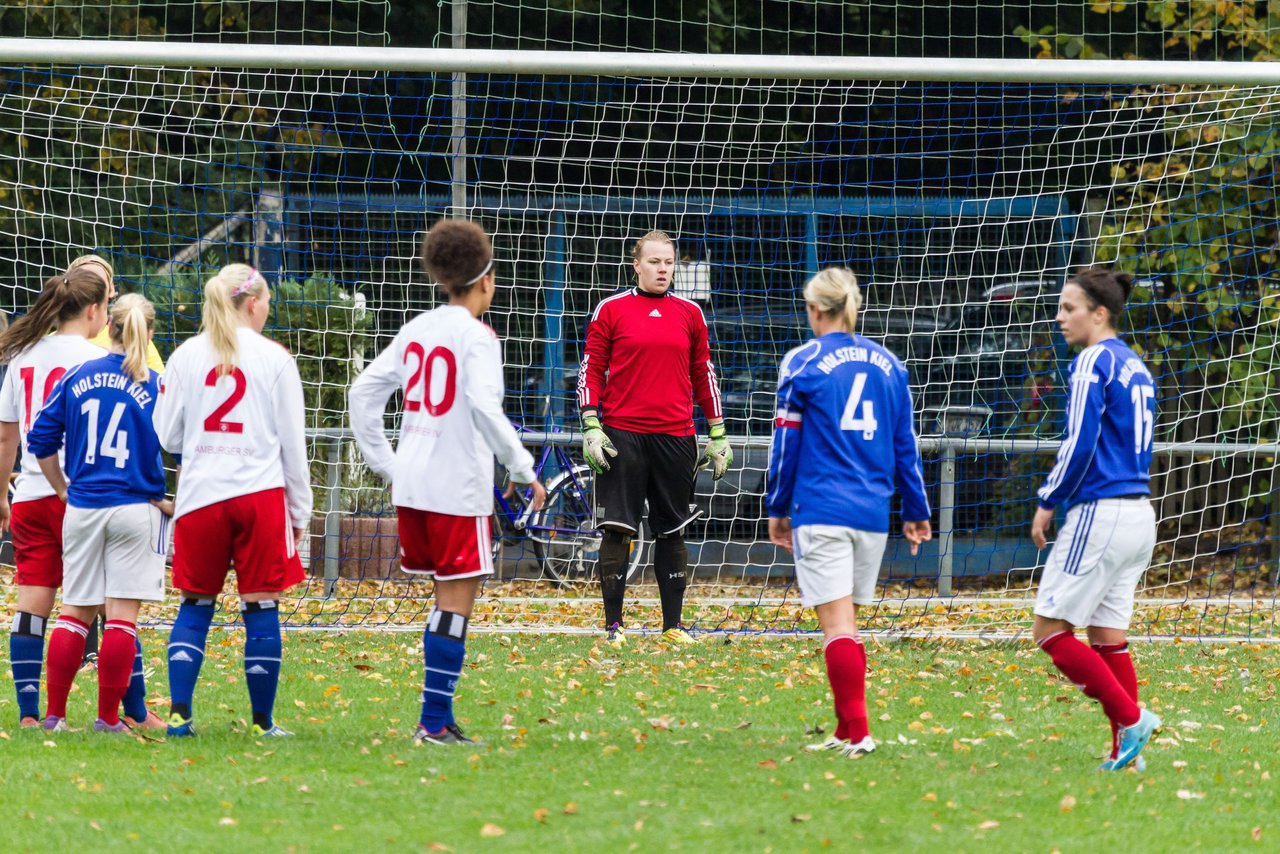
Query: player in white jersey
<point>449,366</point>
<point>1102,478</point>
<point>115,531</point>
<point>75,305</point>
<point>231,411</point>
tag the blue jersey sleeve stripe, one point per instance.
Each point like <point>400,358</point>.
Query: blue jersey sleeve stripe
<point>1075,412</point>
<point>782,449</point>
<point>1081,380</point>
<point>787,371</point>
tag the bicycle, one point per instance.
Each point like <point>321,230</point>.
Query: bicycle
<point>565,540</point>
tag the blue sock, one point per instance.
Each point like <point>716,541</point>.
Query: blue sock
<point>135,699</point>
<point>444,646</point>
<point>262,653</point>
<point>26,658</point>
<point>186,652</point>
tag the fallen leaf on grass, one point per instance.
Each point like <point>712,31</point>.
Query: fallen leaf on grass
<point>492,830</point>
<point>1067,804</point>
<point>768,763</point>
<point>228,821</point>
<point>1188,795</point>
<point>541,813</point>
<point>989,824</point>
<point>570,808</point>
<point>799,817</point>
<point>1256,833</point>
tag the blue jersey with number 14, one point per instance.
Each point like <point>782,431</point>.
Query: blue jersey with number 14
<point>844,437</point>
<point>113,455</point>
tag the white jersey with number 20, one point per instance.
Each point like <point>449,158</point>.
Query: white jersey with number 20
<point>450,367</point>
<point>238,433</point>
<point>31,378</point>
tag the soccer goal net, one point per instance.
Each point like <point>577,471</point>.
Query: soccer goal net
<point>961,195</point>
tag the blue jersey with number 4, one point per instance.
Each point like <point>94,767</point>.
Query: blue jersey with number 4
<point>1111,412</point>
<point>844,436</point>
<point>104,417</point>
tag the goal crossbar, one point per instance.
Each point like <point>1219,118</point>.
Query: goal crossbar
<point>629,64</point>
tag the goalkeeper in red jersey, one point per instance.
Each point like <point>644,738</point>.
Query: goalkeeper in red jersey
<point>646,361</point>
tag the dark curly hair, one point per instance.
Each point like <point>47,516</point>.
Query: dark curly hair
<point>456,253</point>
<point>1104,287</point>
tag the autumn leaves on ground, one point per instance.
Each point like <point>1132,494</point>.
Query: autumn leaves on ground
<point>981,748</point>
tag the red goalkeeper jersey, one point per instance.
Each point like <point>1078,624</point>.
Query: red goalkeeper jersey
<point>646,360</point>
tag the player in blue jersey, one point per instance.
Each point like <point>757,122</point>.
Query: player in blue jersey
<point>115,531</point>
<point>1101,479</point>
<point>843,439</point>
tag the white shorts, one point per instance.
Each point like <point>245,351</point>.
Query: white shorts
<point>113,552</point>
<point>833,561</point>
<point>1098,559</point>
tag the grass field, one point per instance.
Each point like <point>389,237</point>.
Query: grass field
<point>982,748</point>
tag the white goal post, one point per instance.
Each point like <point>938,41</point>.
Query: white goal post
<point>631,64</point>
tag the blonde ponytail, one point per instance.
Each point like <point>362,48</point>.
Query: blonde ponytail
<point>224,295</point>
<point>132,319</point>
<point>835,291</point>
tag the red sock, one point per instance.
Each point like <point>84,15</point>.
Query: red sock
<point>1086,668</point>
<point>847,673</point>
<point>1116,657</point>
<point>65,655</point>
<point>115,667</point>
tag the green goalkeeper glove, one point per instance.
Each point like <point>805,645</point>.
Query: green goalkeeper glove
<point>596,446</point>
<point>717,452</point>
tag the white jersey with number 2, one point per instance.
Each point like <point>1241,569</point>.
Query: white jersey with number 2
<point>449,365</point>
<point>31,378</point>
<point>238,433</point>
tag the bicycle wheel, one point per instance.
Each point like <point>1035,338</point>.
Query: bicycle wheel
<point>564,532</point>
<point>509,551</point>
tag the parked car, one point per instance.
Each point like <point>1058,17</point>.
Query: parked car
<point>991,368</point>
<point>1004,355</point>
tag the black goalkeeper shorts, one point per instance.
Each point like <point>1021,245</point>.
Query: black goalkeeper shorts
<point>653,467</point>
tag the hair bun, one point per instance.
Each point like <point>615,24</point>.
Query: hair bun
<point>1125,281</point>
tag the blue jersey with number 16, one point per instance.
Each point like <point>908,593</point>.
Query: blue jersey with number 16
<point>844,437</point>
<point>113,455</point>
<point>1111,414</point>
